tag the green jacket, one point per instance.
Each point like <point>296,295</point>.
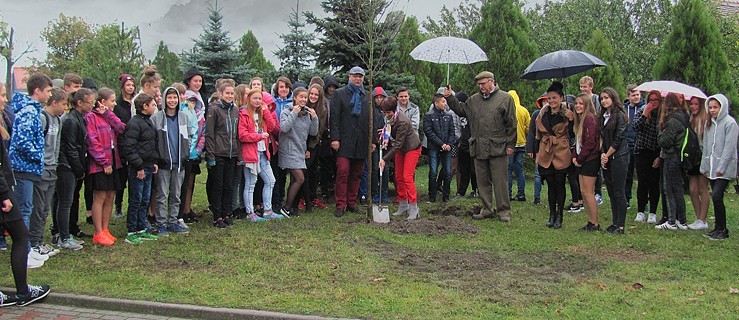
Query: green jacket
<point>671,137</point>
<point>492,123</point>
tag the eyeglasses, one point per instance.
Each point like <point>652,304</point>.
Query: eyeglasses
<point>483,83</point>
<point>89,102</point>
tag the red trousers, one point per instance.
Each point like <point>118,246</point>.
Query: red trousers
<point>405,169</point>
<point>348,176</point>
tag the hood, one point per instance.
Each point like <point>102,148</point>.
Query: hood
<point>269,100</point>
<point>462,96</point>
<point>516,99</point>
<point>379,91</point>
<point>164,98</point>
<point>441,91</point>
<point>199,105</point>
<point>191,73</point>
<point>21,100</point>
<point>89,83</point>
<point>330,80</point>
<point>627,104</point>
<point>723,101</point>
<point>541,101</point>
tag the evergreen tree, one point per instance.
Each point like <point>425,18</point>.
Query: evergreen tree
<point>297,54</point>
<point>113,50</point>
<point>608,76</point>
<point>253,55</point>
<point>347,30</point>
<point>692,52</point>
<point>408,38</point>
<point>214,53</point>
<point>168,65</point>
<point>503,33</point>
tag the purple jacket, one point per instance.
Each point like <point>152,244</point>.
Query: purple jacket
<point>102,132</point>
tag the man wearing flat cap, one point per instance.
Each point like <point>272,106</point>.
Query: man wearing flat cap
<point>349,121</point>
<point>491,114</point>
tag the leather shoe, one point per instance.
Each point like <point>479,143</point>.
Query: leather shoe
<point>339,213</point>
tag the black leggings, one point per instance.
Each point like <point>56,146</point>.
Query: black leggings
<point>647,191</point>
<point>718,188</point>
<point>18,252</point>
<point>556,191</point>
<point>574,178</point>
<point>296,181</point>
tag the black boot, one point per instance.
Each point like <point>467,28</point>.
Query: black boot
<point>552,216</point>
<point>558,220</point>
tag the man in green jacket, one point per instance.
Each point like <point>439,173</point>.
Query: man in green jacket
<point>492,116</point>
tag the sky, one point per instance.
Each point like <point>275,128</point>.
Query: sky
<point>176,22</point>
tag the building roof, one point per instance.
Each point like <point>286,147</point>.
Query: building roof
<point>20,76</point>
<point>728,7</point>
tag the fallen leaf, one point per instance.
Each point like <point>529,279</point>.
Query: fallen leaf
<point>700,292</point>
<point>378,279</point>
<point>545,303</point>
<point>662,289</point>
<point>558,310</point>
<point>638,286</point>
<point>692,299</point>
<point>733,291</point>
<point>602,286</point>
<point>632,227</point>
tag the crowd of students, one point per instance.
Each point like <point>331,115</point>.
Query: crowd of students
<point>59,140</point>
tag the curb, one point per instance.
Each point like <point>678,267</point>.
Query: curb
<point>163,309</point>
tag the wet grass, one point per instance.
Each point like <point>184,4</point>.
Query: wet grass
<point>442,267</point>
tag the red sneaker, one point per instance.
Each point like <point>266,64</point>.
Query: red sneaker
<point>107,233</point>
<point>99,238</point>
<point>318,203</point>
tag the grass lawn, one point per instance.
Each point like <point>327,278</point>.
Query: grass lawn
<point>441,267</point>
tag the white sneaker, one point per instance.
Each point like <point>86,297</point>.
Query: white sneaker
<point>681,226</point>
<point>652,218</point>
<point>639,217</point>
<point>698,225</point>
<point>33,263</point>
<point>666,226</point>
<point>36,254</point>
<point>48,250</point>
<point>182,223</point>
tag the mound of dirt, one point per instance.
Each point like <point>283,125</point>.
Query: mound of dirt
<point>454,210</point>
<point>432,226</point>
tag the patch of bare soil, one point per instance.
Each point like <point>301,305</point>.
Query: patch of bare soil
<point>511,279</point>
<point>454,210</point>
<point>431,226</point>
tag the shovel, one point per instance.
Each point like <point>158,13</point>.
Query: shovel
<point>380,213</point>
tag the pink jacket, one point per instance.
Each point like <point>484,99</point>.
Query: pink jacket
<point>102,132</point>
<point>269,100</point>
<point>249,137</point>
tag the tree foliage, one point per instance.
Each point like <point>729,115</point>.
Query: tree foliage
<point>168,64</point>
<point>253,55</point>
<point>297,54</point>
<point>112,50</point>
<point>408,38</point>
<point>64,38</point>
<point>457,22</point>
<point>635,28</point>
<point>608,76</point>
<point>214,53</point>
<point>503,33</point>
<point>355,33</point>
<point>693,52</point>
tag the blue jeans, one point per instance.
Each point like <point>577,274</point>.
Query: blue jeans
<point>139,194</point>
<point>250,180</point>
<point>445,157</point>
<point>24,195</point>
<point>363,182</point>
<point>515,165</point>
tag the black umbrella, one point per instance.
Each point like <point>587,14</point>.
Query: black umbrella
<point>561,64</point>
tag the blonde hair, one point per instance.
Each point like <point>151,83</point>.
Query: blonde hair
<point>587,80</point>
<point>588,109</point>
<point>239,92</point>
<point>698,121</point>
<point>150,75</point>
<point>251,109</point>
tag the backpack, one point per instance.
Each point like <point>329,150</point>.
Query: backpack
<point>690,151</point>
<point>45,124</point>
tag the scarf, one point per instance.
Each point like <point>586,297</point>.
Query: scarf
<point>356,100</point>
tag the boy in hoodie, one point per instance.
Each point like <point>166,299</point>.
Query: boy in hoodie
<point>43,189</point>
<point>515,161</point>
<point>632,105</point>
<point>174,134</point>
<point>27,145</point>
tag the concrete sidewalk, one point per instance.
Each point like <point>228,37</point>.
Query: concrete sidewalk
<point>65,306</point>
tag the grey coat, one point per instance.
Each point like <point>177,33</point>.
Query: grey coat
<point>720,143</point>
<point>294,131</point>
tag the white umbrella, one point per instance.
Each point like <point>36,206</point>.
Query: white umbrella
<point>672,86</point>
<point>449,50</point>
